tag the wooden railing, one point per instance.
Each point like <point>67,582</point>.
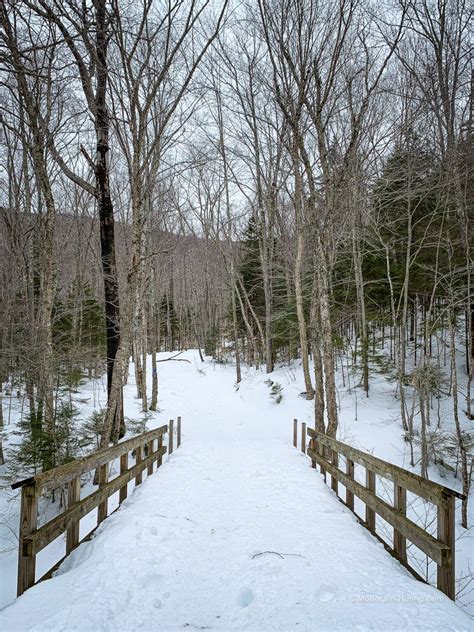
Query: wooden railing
<point>325,452</point>
<point>32,539</point>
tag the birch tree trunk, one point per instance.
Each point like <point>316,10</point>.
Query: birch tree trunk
<point>326,339</point>
<point>300,237</point>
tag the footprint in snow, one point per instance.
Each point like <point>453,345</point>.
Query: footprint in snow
<point>152,578</point>
<point>246,597</point>
<point>325,593</point>
<point>331,510</point>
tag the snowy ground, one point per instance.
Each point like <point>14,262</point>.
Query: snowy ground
<point>236,531</point>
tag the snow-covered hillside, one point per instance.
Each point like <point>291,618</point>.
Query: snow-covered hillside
<point>236,531</point>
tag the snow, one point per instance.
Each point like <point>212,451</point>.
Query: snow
<point>234,532</point>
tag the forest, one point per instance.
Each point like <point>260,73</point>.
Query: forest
<point>270,182</point>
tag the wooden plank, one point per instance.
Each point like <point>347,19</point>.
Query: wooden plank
<point>178,440</point>
<point>138,460</point>
<point>446,534</point>
<point>28,523</point>
<point>103,480</point>
<point>303,438</point>
<point>295,433</point>
<point>335,462</point>
<point>58,476</point>
<point>150,451</point>
<point>400,504</point>
<point>350,474</point>
<point>37,540</point>
<point>123,469</point>
<point>412,482</point>
<point>171,436</point>
<point>73,496</point>
<point>369,512</point>
<point>438,551</point>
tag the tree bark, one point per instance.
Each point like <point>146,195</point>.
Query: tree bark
<point>106,212</point>
<point>298,202</point>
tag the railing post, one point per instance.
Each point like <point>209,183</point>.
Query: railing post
<point>313,445</point>
<point>350,474</point>
<point>73,496</point>
<point>138,459</point>
<point>123,468</point>
<point>322,452</point>
<point>295,433</point>
<point>150,452</point>
<point>159,460</point>
<point>370,513</point>
<point>303,438</point>
<point>446,534</point>
<point>335,462</point>
<point>178,440</point>
<point>400,504</point>
<point>170,436</point>
<point>103,479</point>
<point>28,524</point>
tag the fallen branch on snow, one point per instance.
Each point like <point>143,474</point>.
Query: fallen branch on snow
<point>282,555</point>
<point>175,358</point>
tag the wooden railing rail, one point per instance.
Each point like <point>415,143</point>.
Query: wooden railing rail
<point>52,479</point>
<point>32,539</point>
<point>325,451</point>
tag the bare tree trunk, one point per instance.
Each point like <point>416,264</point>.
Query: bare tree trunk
<point>254,315</point>
<point>318,364</point>
<point>424,403</point>
<point>144,372</point>
<point>359,280</point>
<point>106,215</point>
<point>154,381</point>
<point>465,473</point>
<point>238,373</point>
<point>298,202</point>
<point>326,339</point>
<point>253,344</point>
<point>400,348</point>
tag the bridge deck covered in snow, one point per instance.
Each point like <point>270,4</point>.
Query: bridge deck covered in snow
<point>235,532</point>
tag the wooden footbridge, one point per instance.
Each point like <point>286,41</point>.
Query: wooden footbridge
<point>337,461</point>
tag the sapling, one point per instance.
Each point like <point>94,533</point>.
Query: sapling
<point>276,390</point>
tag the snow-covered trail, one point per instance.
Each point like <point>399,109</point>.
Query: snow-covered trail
<point>235,532</point>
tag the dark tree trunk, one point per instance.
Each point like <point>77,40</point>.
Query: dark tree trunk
<point>104,202</point>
